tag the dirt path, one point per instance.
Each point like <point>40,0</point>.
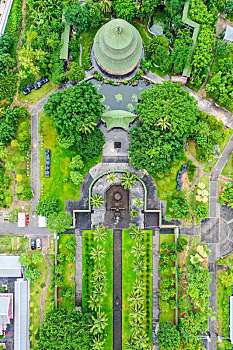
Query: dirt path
<point>44,291</point>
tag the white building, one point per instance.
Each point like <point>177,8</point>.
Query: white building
<point>10,266</point>
<point>22,219</point>
<point>42,221</point>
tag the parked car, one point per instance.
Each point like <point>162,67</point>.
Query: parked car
<point>31,86</point>
<point>38,243</point>
<point>37,85</point>
<point>184,168</point>
<point>33,244</point>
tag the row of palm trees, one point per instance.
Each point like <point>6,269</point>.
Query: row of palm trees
<point>138,338</point>
<point>99,287</point>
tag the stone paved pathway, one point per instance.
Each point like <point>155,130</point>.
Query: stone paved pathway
<point>117,289</point>
<point>78,269</point>
<point>155,287</point>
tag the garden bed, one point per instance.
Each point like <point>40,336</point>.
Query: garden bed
<point>66,285</point>
<point>167,313</point>
<point>59,184</point>
<point>87,267</point>
<point>128,280</point>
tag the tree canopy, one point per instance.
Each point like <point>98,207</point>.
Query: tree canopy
<point>47,206</point>
<point>75,111</point>
<point>168,336</point>
<point>9,124</point>
<point>59,223</point>
<point>64,329</point>
<point>168,114</point>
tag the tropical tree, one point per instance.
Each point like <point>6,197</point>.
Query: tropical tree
<point>96,200</point>
<point>98,252</point>
<point>58,223</point>
<point>163,123</point>
<point>137,232</point>
<point>100,322</point>
<point>98,342</point>
<point>139,267</point>
<point>105,5</point>
<point>99,233</point>
<point>128,180</point>
<point>47,206</point>
<point>32,274</point>
<point>227,195</point>
<point>168,336</point>
<point>111,178</point>
<point>138,202</point>
<point>134,213</point>
<point>138,250</point>
<point>125,9</point>
<point>25,259</point>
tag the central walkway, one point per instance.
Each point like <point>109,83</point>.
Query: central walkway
<point>117,289</point>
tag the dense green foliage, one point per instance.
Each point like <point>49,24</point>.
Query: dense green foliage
<point>227,195</point>
<point>201,211</point>
<point>8,126</point>
<point>209,133</point>
<point>169,115</point>
<point>168,336</point>
<point>40,53</point>
<point>64,329</point>
<point>75,111</point>
<point>203,54</point>
<point>158,51</point>
<point>58,223</point>
<point>47,206</point>
<point>125,9</point>
<point>180,207</point>
<point>75,72</point>
<point>194,306</point>
<point>181,51</point>
<point>199,13</point>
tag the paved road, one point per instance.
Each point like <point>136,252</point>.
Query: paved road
<point>117,289</point>
<point>155,287</point>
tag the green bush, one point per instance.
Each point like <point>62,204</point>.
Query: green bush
<point>191,170</point>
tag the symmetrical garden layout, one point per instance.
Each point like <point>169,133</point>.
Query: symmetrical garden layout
<point>130,170</point>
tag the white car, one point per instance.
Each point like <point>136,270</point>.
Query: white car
<point>38,243</point>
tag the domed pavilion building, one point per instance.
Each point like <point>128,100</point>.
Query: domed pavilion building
<point>117,48</point>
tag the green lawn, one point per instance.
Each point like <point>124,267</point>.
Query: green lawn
<point>59,184</point>
<point>166,181</point>
<point>107,306</point>
<point>67,303</point>
<point>168,316</point>
<point>228,169</point>
<point>36,293</point>
<point>129,278</point>
<point>37,95</point>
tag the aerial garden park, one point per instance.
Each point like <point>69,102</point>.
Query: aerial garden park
<point>95,186</point>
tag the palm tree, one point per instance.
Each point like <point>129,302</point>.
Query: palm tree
<point>99,272</point>
<point>129,344</point>
<point>105,5</point>
<point>98,342</point>
<point>99,233</point>
<point>100,323</point>
<point>138,202</point>
<point>97,200</point>
<point>136,302</point>
<point>163,122</point>
<point>98,252</point>
<point>141,340</point>
<point>138,250</point>
<point>111,178</point>
<point>128,180</point>
<point>137,232</point>
<point>94,302</point>
<point>139,267</point>
<point>139,287</point>
<point>87,127</point>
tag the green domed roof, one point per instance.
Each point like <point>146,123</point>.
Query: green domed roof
<point>118,47</point>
